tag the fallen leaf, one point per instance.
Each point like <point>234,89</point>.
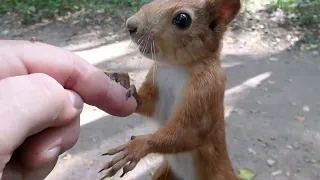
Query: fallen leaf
<point>271,82</point>
<point>309,159</point>
<point>306,108</point>
<point>273,59</point>
<point>67,157</point>
<point>300,118</point>
<point>314,46</point>
<point>289,147</point>
<point>296,145</point>
<point>293,104</point>
<point>238,111</point>
<point>254,111</point>
<point>245,174</point>
<point>270,162</point>
<point>252,151</point>
<point>62,155</point>
<point>275,173</point>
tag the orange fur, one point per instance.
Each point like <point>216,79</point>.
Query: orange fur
<point>148,92</point>
<point>164,172</point>
<point>203,99</point>
<point>197,122</point>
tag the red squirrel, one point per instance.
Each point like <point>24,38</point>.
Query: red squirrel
<point>183,92</point>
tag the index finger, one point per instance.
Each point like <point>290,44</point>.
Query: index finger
<point>71,71</point>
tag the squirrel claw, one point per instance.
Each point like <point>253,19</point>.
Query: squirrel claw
<point>115,164</point>
<point>115,150</point>
<point>132,91</point>
<point>122,174</point>
<point>129,167</point>
<point>128,157</point>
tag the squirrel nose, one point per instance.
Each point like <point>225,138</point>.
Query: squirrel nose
<point>132,26</point>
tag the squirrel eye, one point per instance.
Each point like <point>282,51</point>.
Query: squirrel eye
<point>182,20</point>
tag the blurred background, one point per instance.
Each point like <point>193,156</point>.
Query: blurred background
<point>271,57</point>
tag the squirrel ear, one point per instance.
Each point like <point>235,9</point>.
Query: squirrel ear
<point>226,10</point>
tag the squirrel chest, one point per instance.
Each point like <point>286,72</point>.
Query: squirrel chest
<point>171,82</point>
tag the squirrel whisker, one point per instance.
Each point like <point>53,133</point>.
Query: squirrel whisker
<point>145,45</point>
<point>153,51</point>
<point>139,43</point>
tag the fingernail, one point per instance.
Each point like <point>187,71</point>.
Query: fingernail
<point>53,153</point>
<point>76,100</point>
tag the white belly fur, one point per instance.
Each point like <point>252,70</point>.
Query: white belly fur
<point>171,82</point>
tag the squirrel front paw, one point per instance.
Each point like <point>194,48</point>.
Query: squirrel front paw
<point>132,91</point>
<point>130,153</point>
<point>124,80</point>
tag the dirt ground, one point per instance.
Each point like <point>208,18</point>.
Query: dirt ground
<point>272,97</point>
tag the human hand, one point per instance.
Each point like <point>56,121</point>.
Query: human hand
<point>42,90</point>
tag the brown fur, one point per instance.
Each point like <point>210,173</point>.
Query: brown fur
<point>148,92</point>
<point>197,125</point>
<point>164,172</point>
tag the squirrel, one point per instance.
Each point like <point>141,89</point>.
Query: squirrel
<point>183,91</point>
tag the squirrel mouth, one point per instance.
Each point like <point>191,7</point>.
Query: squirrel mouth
<point>145,43</point>
<point>147,48</point>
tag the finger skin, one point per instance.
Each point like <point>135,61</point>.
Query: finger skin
<point>38,108</point>
<point>33,151</point>
<point>15,171</point>
<point>28,105</point>
<point>72,72</point>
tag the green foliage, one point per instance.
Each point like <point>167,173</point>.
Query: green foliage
<point>300,12</point>
<point>246,174</point>
<point>3,9</point>
<point>34,10</point>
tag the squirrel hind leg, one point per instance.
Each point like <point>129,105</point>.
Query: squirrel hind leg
<point>164,172</point>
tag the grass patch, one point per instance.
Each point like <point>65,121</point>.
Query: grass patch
<point>299,12</point>
<point>32,11</point>
<point>304,14</point>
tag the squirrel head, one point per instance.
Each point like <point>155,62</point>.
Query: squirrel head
<point>181,31</point>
